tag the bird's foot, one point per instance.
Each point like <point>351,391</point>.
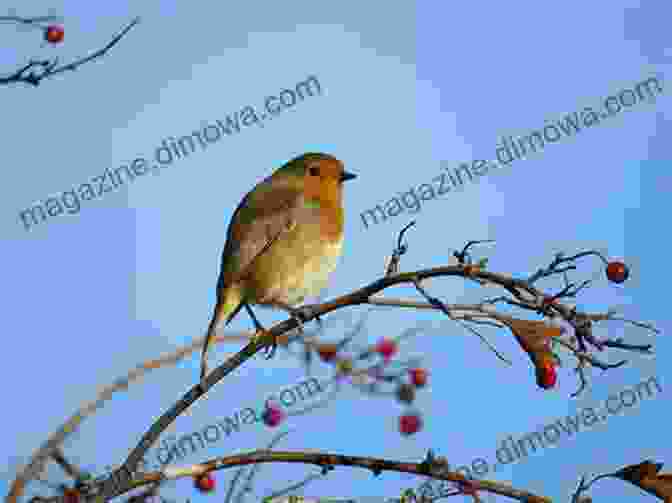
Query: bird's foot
<point>302,313</point>
<point>270,350</point>
<point>201,384</point>
<point>204,372</point>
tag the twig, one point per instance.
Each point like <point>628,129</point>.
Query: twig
<point>255,468</point>
<point>436,302</point>
<point>584,487</point>
<point>392,267</point>
<point>294,487</point>
<point>560,259</point>
<point>232,485</point>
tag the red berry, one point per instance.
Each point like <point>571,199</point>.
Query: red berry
<point>467,488</point>
<point>205,483</point>
<point>273,415</point>
<point>617,272</point>
<point>410,424</point>
<point>327,352</point>
<point>71,495</point>
<point>54,34</point>
<point>418,377</point>
<point>546,375</point>
<point>387,348</point>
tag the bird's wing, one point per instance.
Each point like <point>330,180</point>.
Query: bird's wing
<point>264,215</point>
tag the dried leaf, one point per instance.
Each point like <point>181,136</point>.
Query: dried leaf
<point>535,339</point>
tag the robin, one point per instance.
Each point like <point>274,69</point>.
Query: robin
<point>283,242</point>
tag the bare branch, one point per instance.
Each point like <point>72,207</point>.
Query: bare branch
<point>326,461</point>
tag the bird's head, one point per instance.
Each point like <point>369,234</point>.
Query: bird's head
<point>319,176</point>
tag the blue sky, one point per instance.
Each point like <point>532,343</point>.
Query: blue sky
<point>406,87</point>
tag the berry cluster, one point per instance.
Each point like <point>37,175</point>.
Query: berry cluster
<point>411,421</point>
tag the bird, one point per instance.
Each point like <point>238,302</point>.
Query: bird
<point>284,240</point>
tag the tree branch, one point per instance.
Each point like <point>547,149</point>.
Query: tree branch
<point>49,68</point>
<point>327,460</point>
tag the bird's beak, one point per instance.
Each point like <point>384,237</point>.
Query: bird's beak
<point>347,176</point>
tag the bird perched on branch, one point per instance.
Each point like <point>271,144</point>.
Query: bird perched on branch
<point>283,242</point>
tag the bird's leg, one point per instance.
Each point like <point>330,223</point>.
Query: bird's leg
<point>260,331</point>
<point>304,310</point>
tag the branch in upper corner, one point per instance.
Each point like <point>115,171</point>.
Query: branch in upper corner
<point>48,68</point>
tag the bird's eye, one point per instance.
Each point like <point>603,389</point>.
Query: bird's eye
<point>314,171</point>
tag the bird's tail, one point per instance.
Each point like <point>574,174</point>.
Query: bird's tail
<point>229,303</point>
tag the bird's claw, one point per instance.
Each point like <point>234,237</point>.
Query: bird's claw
<point>301,315</point>
<point>204,374</point>
<point>269,350</point>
